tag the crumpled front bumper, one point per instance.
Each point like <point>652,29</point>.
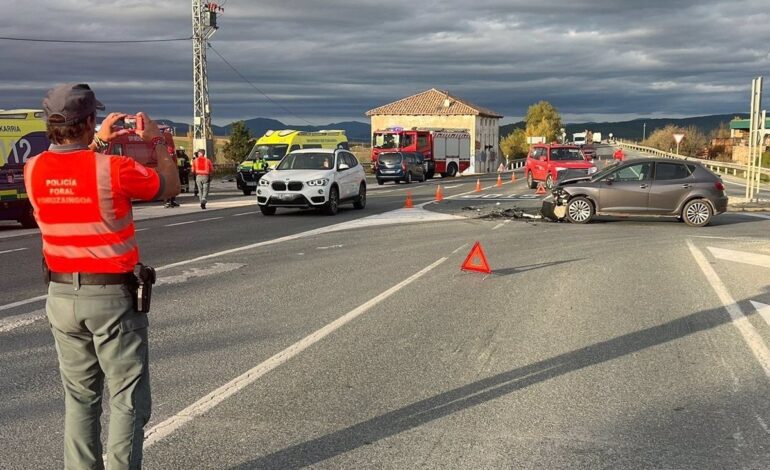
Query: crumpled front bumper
<point>553,208</point>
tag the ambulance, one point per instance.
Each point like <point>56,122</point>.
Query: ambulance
<point>274,145</point>
<point>22,136</point>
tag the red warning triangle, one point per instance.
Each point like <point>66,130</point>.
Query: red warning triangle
<point>476,260</point>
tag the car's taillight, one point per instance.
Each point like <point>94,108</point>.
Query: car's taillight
<point>719,185</point>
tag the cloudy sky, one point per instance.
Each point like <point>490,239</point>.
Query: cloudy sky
<point>331,60</point>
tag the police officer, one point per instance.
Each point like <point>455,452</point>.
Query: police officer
<point>82,203</point>
<point>183,164</point>
<point>203,170</point>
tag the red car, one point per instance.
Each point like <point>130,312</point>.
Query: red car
<point>550,162</point>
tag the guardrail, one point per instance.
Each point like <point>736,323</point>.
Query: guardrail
<point>725,168</point>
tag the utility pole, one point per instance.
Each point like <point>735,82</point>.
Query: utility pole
<point>644,132</point>
<point>204,25</point>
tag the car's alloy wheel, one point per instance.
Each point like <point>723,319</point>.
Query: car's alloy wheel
<point>697,213</point>
<point>332,205</point>
<point>580,210</point>
<point>549,182</point>
<point>360,201</point>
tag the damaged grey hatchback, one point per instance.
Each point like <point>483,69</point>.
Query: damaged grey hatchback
<point>649,187</point>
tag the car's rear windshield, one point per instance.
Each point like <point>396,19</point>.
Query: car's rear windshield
<point>563,154</point>
<point>390,158</point>
<point>307,161</point>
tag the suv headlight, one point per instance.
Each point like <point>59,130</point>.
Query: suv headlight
<point>318,182</point>
<point>264,182</point>
<point>592,170</point>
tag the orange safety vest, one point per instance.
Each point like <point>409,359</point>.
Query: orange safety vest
<point>86,225</point>
<point>202,166</point>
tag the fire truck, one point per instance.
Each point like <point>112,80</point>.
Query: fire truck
<point>446,151</point>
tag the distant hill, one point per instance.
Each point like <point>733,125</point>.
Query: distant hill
<point>633,129</point>
<point>355,130</point>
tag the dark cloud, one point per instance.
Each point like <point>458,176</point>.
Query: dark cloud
<point>332,60</point>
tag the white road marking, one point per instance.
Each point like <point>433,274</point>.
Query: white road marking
<point>22,302</point>
<point>453,186</point>
<point>217,268</point>
<point>460,248</point>
<point>193,221</point>
<point>181,223</point>
<point>739,320</point>
<point>329,247</point>
<point>245,213</point>
<point>17,321</point>
<point>141,229</point>
<point>170,425</point>
<point>754,259</point>
<point>762,309</point>
<point>498,226</point>
<point>12,251</point>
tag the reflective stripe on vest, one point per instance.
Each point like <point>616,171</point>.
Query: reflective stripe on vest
<point>74,202</point>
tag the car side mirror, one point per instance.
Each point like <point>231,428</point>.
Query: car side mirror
<point>610,179</point>
<point>343,166</point>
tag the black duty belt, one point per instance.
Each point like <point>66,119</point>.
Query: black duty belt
<point>94,279</point>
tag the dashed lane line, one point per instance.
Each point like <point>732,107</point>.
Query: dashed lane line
<point>193,221</point>
<point>172,424</point>
<point>750,335</point>
<point>12,251</point>
<point>245,213</point>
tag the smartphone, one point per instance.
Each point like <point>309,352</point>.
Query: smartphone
<point>133,123</point>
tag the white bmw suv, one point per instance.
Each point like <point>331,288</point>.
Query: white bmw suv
<point>313,178</point>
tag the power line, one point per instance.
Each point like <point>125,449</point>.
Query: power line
<point>257,88</point>
<point>74,41</point>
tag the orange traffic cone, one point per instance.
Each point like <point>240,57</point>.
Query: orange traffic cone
<point>513,176</point>
<point>439,194</point>
<point>499,181</point>
<point>408,204</point>
<point>540,189</point>
<point>478,185</point>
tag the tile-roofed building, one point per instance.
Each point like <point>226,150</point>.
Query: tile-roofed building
<point>436,108</point>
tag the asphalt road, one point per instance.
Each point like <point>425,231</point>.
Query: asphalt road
<point>355,341</point>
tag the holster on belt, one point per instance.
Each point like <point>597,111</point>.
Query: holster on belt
<point>46,272</point>
<point>146,277</point>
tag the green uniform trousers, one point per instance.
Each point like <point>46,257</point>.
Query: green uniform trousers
<point>202,182</point>
<point>99,335</point>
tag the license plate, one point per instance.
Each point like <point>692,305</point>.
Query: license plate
<point>286,197</point>
<point>251,183</point>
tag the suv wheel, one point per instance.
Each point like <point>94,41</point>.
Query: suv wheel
<point>549,182</point>
<point>408,179</point>
<point>580,210</point>
<point>333,204</point>
<point>379,182</point>
<point>247,192</point>
<point>697,213</point>
<point>360,201</point>
<point>530,181</point>
<point>267,210</point>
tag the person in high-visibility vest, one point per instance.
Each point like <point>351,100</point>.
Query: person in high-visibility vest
<point>203,169</point>
<point>82,204</point>
<point>618,155</point>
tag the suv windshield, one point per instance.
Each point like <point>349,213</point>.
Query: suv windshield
<point>563,154</point>
<point>273,152</point>
<point>390,158</point>
<point>307,161</point>
<point>386,141</point>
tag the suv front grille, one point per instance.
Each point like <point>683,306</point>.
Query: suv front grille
<point>279,186</point>
<point>295,186</point>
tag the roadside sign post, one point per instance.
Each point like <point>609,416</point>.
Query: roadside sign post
<point>757,132</point>
<point>678,138</point>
